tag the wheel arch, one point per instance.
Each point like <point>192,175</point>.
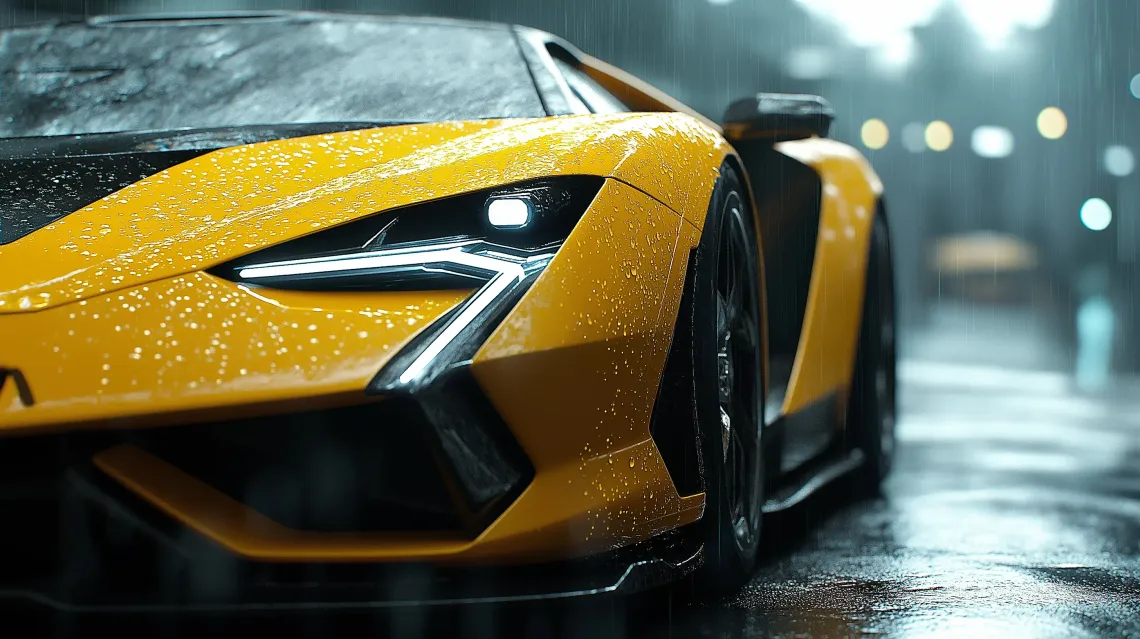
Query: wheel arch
<point>674,409</point>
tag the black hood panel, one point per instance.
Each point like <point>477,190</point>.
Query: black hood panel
<point>34,192</point>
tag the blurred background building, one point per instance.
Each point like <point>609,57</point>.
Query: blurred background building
<point>1005,131</point>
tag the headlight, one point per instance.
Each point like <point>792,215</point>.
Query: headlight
<point>430,245</point>
<point>497,241</point>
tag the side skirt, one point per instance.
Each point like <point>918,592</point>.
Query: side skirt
<point>812,453</point>
<point>812,478</point>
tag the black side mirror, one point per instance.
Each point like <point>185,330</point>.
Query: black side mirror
<point>779,116</point>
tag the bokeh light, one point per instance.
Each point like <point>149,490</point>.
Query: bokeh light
<point>878,23</point>
<point>895,53</point>
<point>992,141</point>
<point>1096,214</point>
<point>1119,161</point>
<point>1134,86</point>
<point>939,136</point>
<point>875,134</point>
<point>874,22</point>
<point>996,20</point>
<point>1052,123</point>
<point>810,63</point>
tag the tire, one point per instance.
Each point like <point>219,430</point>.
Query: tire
<point>871,410</point>
<point>727,350</point>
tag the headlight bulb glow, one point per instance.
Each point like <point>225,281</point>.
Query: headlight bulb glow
<point>509,212</point>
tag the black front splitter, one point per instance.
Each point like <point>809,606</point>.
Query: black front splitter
<point>408,586</point>
<point>107,552</point>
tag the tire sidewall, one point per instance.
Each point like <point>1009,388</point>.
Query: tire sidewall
<point>726,564</point>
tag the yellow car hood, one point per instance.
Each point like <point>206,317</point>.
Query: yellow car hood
<point>236,200</point>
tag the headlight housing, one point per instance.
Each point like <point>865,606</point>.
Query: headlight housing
<point>496,241</point>
<point>425,246</point>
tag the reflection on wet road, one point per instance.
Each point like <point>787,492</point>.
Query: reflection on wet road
<point>1014,510</point>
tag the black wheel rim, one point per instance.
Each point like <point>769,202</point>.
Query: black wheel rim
<point>738,371</point>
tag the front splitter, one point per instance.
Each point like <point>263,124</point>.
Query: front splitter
<point>186,573</point>
<point>623,572</point>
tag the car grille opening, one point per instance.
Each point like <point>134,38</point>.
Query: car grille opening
<point>358,468</point>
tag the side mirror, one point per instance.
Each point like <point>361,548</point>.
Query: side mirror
<point>778,116</point>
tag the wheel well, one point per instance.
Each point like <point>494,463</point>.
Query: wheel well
<point>675,409</point>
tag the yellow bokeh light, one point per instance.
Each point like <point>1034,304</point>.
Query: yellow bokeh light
<point>875,134</point>
<point>1052,123</point>
<point>939,136</point>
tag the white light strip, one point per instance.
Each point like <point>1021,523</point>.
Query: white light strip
<point>506,271</point>
<point>486,263</point>
<point>447,253</point>
<point>387,257</point>
<point>359,263</point>
<point>499,284</point>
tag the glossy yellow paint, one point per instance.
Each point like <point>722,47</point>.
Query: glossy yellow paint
<point>573,371</point>
<point>193,346</point>
<point>825,358</point>
<point>119,324</point>
<point>119,316</point>
<point>233,201</point>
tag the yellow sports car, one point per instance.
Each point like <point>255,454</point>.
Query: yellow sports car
<point>410,311</point>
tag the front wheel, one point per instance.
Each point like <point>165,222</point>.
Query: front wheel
<point>728,386</point>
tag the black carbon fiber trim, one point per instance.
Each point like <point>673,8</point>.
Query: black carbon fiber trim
<point>780,116</point>
<point>475,448</point>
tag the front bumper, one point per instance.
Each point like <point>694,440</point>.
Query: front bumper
<point>565,386</point>
<point>147,564</point>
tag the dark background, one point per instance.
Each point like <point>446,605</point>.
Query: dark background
<point>966,62</point>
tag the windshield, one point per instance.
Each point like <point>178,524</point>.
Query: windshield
<point>159,76</point>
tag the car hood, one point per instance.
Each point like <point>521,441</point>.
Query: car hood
<point>224,203</point>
